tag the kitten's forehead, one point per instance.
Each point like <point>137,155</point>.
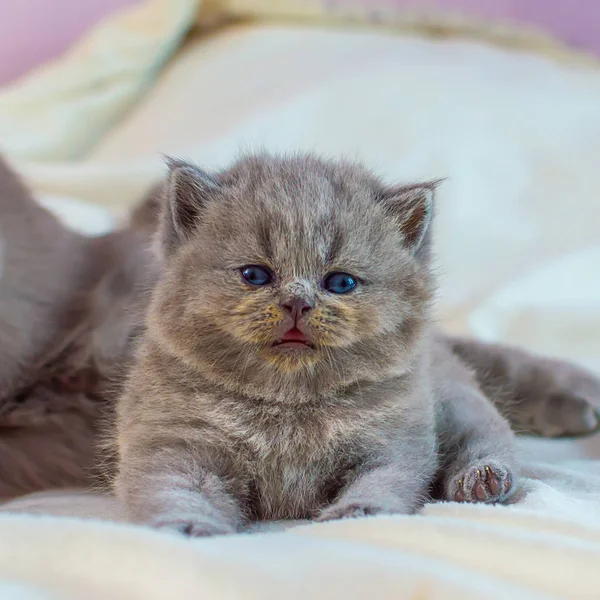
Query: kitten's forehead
<point>303,209</point>
<point>304,183</point>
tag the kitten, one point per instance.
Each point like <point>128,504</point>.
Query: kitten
<point>289,368</point>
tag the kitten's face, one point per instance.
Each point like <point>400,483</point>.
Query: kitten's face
<point>291,269</point>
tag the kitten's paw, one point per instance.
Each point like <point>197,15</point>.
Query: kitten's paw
<point>192,526</point>
<point>358,509</point>
<point>491,482</point>
<point>350,510</point>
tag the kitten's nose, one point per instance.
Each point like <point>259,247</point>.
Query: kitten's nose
<point>298,307</point>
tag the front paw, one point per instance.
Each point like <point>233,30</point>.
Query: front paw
<point>192,525</point>
<point>349,510</point>
<point>486,482</point>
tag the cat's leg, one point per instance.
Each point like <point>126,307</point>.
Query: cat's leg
<point>537,395</point>
<point>476,445</point>
<point>178,487</point>
<point>397,482</point>
<point>385,489</point>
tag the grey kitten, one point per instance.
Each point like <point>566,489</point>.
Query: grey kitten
<point>289,368</point>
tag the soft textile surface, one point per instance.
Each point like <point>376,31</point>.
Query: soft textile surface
<point>518,245</point>
<point>575,22</point>
<point>86,218</point>
<point>59,111</point>
<point>553,27</point>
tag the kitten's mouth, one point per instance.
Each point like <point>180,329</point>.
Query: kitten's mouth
<point>293,339</point>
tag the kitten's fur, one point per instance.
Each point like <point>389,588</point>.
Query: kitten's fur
<point>538,395</point>
<point>217,427</point>
<point>70,307</point>
<point>39,261</point>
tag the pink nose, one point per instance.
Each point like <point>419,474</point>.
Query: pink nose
<point>297,308</point>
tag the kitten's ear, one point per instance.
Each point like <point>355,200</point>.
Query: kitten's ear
<point>187,191</point>
<point>412,208</point>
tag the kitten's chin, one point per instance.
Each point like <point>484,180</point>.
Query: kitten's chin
<point>291,356</point>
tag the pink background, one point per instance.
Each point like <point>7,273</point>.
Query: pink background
<point>34,31</point>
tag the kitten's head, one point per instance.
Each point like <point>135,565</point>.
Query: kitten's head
<point>292,271</point>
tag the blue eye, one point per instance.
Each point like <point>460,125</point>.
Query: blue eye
<point>256,275</point>
<point>339,283</point>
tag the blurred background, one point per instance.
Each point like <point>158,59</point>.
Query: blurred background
<point>501,97</point>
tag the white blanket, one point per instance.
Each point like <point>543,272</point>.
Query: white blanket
<point>519,251</point>
<point>546,546</point>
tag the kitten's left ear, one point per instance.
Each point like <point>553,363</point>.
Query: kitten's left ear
<point>412,208</point>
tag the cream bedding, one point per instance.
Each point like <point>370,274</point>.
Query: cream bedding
<point>62,109</point>
<point>519,252</point>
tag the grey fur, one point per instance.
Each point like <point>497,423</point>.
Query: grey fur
<point>476,444</point>
<point>538,395</point>
<point>244,431</point>
<point>69,306</point>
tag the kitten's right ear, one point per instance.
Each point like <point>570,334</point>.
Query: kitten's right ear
<point>187,191</point>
